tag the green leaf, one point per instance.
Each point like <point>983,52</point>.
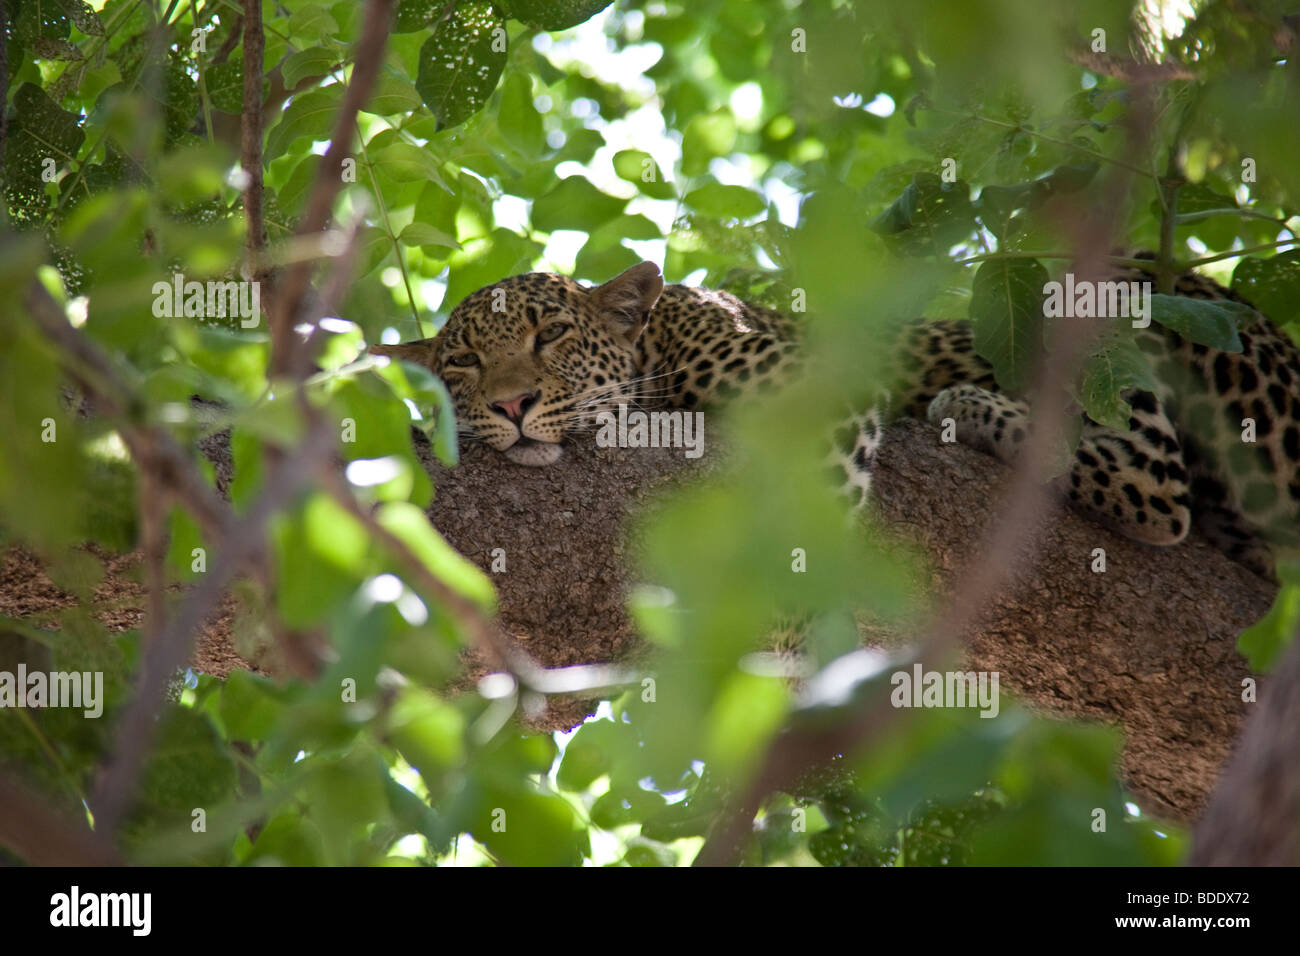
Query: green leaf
<point>194,173</point>
<point>437,206</point>
<point>373,247</point>
<point>929,218</point>
<point>288,840</point>
<point>190,767</point>
<point>1111,369</point>
<point>1272,285</point>
<point>643,852</point>
<point>520,123</point>
<point>39,134</point>
<point>225,85</point>
<point>312,22</point>
<point>47,49</point>
<point>413,815</point>
<point>552,14</point>
<point>997,206</point>
<point>725,202</point>
<point>640,169</point>
<point>393,94</point>
<point>626,804</point>
<point>430,393</point>
<point>635,226</point>
<point>461,62</point>
<point>182,539</point>
<point>346,797</point>
<point>293,194</point>
<point>413,15</point>
<point>422,234</point>
<point>600,260</point>
<point>592,752</point>
<point>1067,178</point>
<point>524,828</point>
<point>1211,322</point>
<point>1006,312</point>
<point>405,163</point>
<point>707,136</point>
<point>1264,642</point>
<point>575,203</point>
<point>315,572</point>
<point>1215,216</point>
<point>313,61</point>
<point>250,707</point>
<point>429,732</point>
<point>309,116</point>
<point>41,19</point>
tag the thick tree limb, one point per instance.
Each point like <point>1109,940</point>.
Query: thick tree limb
<point>1148,645</point>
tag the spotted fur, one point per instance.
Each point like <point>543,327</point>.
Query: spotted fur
<point>532,359</point>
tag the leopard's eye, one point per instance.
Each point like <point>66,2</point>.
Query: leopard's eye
<point>552,332</point>
<point>464,360</point>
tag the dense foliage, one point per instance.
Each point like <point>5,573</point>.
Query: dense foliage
<point>943,153</point>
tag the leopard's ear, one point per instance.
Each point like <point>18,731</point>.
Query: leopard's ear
<point>625,301</point>
<point>424,352</point>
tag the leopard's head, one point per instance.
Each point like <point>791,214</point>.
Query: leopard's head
<point>532,359</point>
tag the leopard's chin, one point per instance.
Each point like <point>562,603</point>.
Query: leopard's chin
<point>535,454</point>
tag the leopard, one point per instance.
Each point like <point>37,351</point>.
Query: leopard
<point>531,361</point>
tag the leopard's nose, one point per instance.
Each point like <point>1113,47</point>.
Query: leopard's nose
<point>516,408</point>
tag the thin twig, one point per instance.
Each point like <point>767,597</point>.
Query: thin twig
<point>231,41</point>
<point>329,180</point>
<point>250,140</point>
<point>151,504</point>
<point>35,832</point>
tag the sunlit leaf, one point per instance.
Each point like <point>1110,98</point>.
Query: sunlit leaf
<point>461,62</point>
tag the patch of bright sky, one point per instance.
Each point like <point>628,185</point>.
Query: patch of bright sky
<point>1164,20</point>
<point>589,50</point>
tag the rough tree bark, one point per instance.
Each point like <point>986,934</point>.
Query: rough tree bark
<point>1149,644</point>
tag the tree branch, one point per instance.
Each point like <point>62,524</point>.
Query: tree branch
<point>251,137</point>
<point>329,180</point>
<point>41,836</point>
<point>153,449</point>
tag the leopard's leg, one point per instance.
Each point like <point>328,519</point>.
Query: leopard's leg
<point>853,453</point>
<point>1135,481</point>
<point>990,421</point>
